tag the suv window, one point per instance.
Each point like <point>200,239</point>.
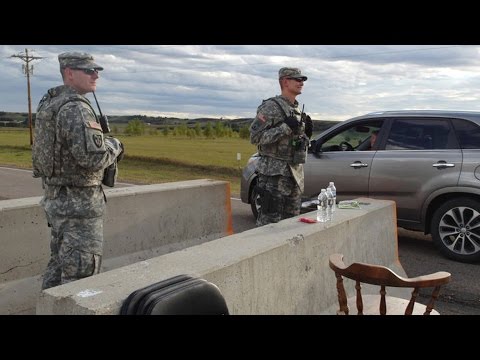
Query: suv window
<point>420,134</point>
<point>468,134</point>
<point>355,137</point>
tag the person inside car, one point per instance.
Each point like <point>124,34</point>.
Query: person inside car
<point>373,139</point>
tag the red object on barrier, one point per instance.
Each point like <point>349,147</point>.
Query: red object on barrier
<point>308,220</point>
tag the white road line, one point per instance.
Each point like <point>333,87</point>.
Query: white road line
<point>15,169</point>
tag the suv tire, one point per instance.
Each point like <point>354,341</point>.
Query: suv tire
<point>456,229</point>
<point>255,200</point>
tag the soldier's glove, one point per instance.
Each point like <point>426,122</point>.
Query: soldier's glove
<point>292,122</point>
<point>115,147</point>
<point>308,126</point>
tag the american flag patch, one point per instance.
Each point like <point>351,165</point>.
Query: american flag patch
<point>261,117</point>
<point>94,125</point>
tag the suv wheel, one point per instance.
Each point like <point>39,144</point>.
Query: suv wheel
<point>456,229</point>
<point>255,201</point>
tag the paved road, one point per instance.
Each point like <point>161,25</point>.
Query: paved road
<point>18,183</point>
<point>417,253</point>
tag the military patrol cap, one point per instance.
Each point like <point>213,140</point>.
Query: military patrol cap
<point>77,60</point>
<point>295,73</point>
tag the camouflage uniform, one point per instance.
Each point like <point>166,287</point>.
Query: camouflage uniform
<point>72,174</point>
<point>280,171</point>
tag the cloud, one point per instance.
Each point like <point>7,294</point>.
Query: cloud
<point>230,81</point>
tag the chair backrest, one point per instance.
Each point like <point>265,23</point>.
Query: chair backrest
<point>383,276</point>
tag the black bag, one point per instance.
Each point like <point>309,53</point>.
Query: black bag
<point>180,295</point>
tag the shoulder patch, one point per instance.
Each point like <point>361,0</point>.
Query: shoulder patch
<point>261,117</point>
<point>93,125</point>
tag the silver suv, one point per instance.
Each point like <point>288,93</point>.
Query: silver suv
<point>428,162</point>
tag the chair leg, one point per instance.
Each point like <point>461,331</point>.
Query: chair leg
<point>342,296</point>
<point>411,304</point>
<point>358,287</point>
<point>431,303</point>
<point>383,303</point>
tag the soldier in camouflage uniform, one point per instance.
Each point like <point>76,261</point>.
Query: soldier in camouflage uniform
<point>70,153</point>
<point>282,135</point>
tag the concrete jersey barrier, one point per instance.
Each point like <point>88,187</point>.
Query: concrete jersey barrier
<point>141,222</point>
<point>278,268</point>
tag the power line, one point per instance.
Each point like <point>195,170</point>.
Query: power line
<point>28,69</point>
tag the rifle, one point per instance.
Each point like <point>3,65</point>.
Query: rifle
<point>110,172</point>
<point>103,118</point>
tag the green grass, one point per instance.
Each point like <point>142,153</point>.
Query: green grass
<point>14,137</point>
<point>154,158</point>
<point>20,157</point>
<point>199,151</point>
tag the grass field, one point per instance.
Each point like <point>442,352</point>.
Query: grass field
<point>153,159</point>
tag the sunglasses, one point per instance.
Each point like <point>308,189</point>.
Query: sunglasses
<point>89,71</point>
<point>296,79</point>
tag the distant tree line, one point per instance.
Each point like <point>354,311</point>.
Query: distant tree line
<point>137,127</point>
<point>10,119</point>
<point>140,124</point>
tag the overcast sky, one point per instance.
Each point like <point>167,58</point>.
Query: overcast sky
<point>230,81</point>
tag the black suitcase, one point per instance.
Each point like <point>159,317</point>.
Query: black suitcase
<point>180,295</point>
<point>134,300</point>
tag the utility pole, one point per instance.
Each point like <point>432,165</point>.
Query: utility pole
<point>28,69</point>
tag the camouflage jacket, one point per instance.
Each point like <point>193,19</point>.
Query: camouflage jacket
<point>78,152</point>
<point>274,138</point>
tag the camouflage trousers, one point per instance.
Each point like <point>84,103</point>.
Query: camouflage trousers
<point>76,243</point>
<point>281,198</point>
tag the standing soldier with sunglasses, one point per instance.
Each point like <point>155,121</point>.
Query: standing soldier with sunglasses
<point>70,153</point>
<point>281,133</point>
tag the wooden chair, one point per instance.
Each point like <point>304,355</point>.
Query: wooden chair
<point>383,276</point>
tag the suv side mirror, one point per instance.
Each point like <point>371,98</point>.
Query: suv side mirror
<point>317,146</point>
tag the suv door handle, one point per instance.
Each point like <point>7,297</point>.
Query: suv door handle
<point>358,164</point>
<point>443,164</point>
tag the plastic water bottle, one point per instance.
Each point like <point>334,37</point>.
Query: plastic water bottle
<point>322,206</point>
<point>330,204</point>
<point>332,187</point>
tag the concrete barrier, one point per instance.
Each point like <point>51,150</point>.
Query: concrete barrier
<point>279,268</point>
<point>140,222</point>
